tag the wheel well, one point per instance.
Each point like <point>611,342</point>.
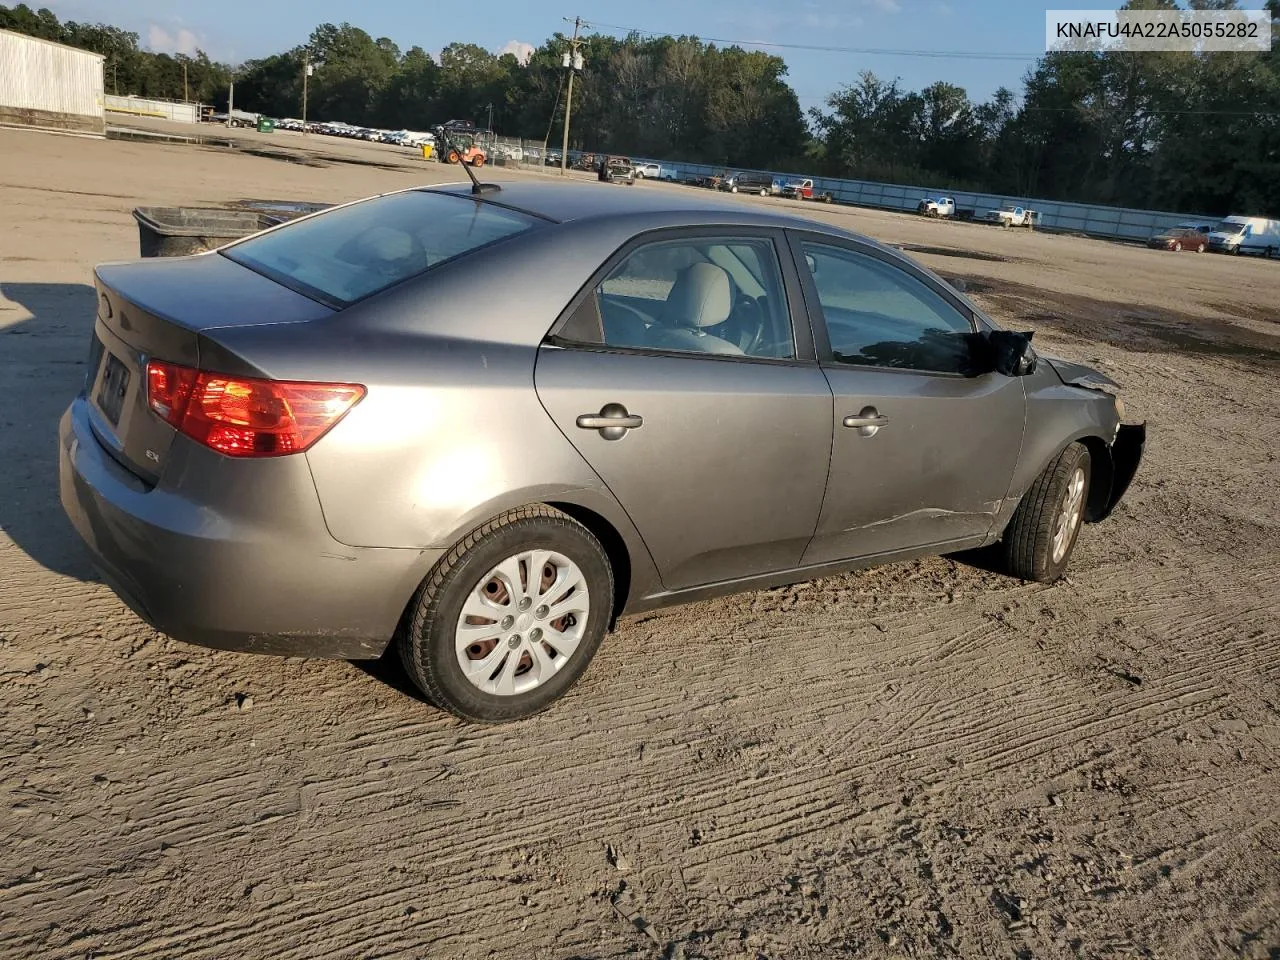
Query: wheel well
<point>1101,471</point>
<point>614,547</point>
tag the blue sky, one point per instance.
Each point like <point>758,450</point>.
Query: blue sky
<point>236,30</point>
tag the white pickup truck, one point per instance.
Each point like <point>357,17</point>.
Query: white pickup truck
<point>1012,215</point>
<point>937,207</point>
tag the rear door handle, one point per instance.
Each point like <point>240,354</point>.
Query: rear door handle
<point>867,422</point>
<point>613,421</point>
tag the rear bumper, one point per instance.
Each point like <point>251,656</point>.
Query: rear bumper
<point>234,567</point>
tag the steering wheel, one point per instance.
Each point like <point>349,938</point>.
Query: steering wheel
<point>748,320</point>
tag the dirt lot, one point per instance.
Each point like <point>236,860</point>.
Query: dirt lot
<point>921,760</point>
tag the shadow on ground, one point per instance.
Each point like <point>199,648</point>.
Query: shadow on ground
<point>42,367</point>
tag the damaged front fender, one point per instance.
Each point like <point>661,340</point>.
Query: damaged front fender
<point>1126,454</point>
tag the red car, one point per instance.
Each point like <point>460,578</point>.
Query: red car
<point>1185,236</point>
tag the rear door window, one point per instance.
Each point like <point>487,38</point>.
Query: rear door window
<point>352,252</point>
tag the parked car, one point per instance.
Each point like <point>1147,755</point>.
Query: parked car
<point>1185,236</point>
<point>1251,235</point>
<point>617,170</point>
<point>552,160</point>
<point>648,170</point>
<point>805,190</point>
<point>1013,215</point>
<point>937,207</point>
<point>761,183</point>
<point>318,440</point>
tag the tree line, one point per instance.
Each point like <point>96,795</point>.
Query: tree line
<point>1174,131</point>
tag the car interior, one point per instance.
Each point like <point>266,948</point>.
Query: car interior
<point>714,297</point>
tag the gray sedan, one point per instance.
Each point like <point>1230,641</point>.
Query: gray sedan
<point>482,425</point>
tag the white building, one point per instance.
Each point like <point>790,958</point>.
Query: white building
<point>50,86</point>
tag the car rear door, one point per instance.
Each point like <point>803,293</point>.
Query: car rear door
<point>684,374</point>
<point>922,454</point>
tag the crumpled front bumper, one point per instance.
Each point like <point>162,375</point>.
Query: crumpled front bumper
<point>1126,455</point>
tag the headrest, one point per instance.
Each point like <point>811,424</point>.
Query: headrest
<point>700,297</point>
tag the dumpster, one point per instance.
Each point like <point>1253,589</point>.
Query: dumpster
<point>281,210</point>
<point>426,151</point>
<point>266,125</point>
<point>179,231</point>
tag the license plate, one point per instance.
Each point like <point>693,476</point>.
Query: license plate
<point>115,382</point>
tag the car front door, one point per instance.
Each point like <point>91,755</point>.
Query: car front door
<point>680,377</point>
<point>923,453</point>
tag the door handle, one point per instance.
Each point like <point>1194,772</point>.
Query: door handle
<point>868,421</point>
<point>613,421</point>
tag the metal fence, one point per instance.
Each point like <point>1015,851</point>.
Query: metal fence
<point>1097,220</point>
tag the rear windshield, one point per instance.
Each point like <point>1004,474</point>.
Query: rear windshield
<point>343,255</point>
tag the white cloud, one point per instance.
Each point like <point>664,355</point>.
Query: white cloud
<point>519,49</point>
<point>161,40</point>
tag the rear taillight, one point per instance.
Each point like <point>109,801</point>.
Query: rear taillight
<point>244,417</point>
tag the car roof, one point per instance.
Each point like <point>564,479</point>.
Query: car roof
<point>563,202</point>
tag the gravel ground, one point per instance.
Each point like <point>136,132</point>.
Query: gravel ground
<point>922,760</point>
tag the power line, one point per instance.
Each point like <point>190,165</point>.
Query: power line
<point>822,48</point>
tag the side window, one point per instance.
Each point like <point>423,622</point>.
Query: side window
<point>879,315</point>
<point>717,295</point>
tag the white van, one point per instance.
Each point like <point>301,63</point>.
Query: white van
<point>1255,235</point>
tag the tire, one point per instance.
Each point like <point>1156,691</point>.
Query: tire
<point>1177,246</point>
<point>734,188</point>
<point>478,162</point>
<point>764,192</point>
<point>430,642</point>
<point>1200,249</point>
<point>1032,546</point>
<point>639,174</point>
<point>453,156</point>
<point>1006,223</point>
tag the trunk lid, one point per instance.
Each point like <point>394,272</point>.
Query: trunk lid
<point>159,309</point>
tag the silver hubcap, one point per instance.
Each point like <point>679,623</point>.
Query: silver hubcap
<point>522,622</point>
<point>1069,515</point>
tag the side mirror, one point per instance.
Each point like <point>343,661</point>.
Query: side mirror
<point>1010,353</point>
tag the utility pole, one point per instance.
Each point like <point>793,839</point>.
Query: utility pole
<point>491,119</point>
<point>573,63</point>
<point>185,97</point>
<point>306,72</point>
<point>231,101</point>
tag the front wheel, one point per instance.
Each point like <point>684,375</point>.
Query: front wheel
<point>733,189</point>
<point>1042,534</point>
<point>1200,248</point>
<point>1177,246</point>
<point>510,617</point>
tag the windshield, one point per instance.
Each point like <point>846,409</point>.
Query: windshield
<point>349,253</point>
<point>1228,227</point>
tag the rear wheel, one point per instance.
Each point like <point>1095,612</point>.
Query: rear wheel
<point>510,617</point>
<point>1200,248</point>
<point>1042,534</point>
